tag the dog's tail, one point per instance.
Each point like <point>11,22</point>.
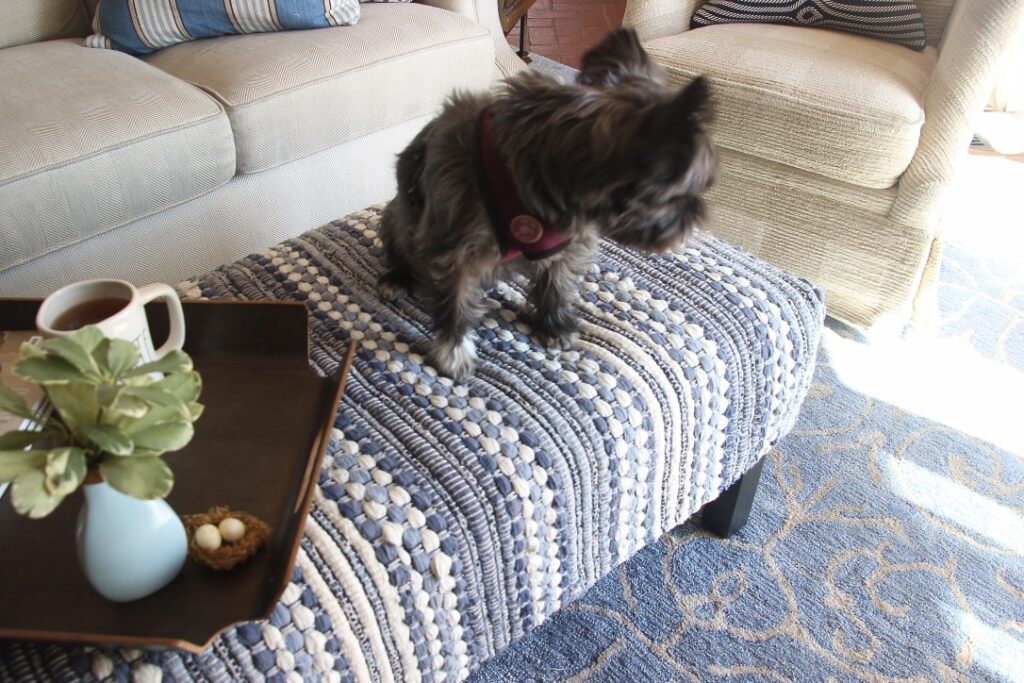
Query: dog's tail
<point>411,162</point>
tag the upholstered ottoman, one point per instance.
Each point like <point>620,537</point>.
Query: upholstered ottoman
<point>452,517</point>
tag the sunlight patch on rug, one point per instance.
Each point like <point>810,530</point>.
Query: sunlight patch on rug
<point>956,503</point>
<point>943,380</point>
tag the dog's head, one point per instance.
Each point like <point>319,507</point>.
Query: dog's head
<point>660,158</point>
<point>624,149</point>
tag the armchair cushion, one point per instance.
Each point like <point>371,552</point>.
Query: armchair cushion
<point>894,21</point>
<point>856,103</point>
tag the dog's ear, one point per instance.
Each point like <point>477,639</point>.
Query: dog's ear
<point>679,117</point>
<point>680,124</point>
<point>617,57</point>
<point>693,103</point>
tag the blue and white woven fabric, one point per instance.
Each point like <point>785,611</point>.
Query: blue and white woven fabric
<point>140,27</point>
<point>452,517</point>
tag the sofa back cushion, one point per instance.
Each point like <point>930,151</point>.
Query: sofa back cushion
<point>289,96</point>
<point>30,21</point>
<point>142,26</point>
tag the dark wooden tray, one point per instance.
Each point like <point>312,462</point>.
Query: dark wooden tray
<point>257,448</point>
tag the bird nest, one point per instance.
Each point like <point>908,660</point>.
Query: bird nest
<point>228,555</point>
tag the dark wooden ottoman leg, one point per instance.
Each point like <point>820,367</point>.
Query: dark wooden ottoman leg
<point>727,514</point>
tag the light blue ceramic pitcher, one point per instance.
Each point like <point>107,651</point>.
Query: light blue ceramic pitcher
<point>128,548</point>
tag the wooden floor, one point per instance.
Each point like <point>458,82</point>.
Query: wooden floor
<point>563,30</point>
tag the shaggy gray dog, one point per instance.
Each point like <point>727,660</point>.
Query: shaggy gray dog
<point>531,177</point>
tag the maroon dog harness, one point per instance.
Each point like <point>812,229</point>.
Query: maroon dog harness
<point>519,232</point>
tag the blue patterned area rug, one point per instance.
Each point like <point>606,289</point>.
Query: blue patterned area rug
<point>887,537</point>
<point>564,73</point>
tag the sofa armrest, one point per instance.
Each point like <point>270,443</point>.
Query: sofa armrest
<point>485,12</point>
<point>659,18</point>
<point>976,37</point>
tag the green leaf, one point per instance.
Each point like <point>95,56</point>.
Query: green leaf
<point>76,403</point>
<point>174,361</point>
<point>12,403</point>
<point>48,370</point>
<point>185,385</point>
<point>121,357</point>
<point>72,352</point>
<point>30,350</point>
<point>195,410</point>
<point>106,394</point>
<point>169,436</point>
<point>156,415</point>
<point>30,497</point>
<point>129,407</point>
<point>65,470</point>
<point>13,441</point>
<point>145,453</point>
<point>99,355</point>
<point>109,439</point>
<point>155,395</point>
<point>13,463</point>
<point>145,477</point>
<point>89,337</point>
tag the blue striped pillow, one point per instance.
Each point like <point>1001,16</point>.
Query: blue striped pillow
<point>895,21</point>
<point>139,27</point>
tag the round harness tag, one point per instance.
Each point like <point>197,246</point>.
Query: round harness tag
<point>526,229</point>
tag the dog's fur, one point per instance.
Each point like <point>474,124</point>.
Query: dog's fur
<point>621,155</point>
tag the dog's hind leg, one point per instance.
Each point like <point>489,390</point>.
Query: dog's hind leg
<point>401,216</point>
<point>398,275</point>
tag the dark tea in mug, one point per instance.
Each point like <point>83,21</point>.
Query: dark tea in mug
<point>88,313</point>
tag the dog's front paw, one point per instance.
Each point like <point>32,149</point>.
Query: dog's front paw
<point>393,284</point>
<point>455,357</point>
<point>390,289</point>
<point>561,338</point>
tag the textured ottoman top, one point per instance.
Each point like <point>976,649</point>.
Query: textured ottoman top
<point>451,517</point>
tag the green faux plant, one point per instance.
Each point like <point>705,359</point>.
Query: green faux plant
<point>110,415</point>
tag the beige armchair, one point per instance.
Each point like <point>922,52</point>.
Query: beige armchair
<point>836,150</point>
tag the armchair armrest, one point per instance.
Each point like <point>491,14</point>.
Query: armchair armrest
<point>659,18</point>
<point>485,12</point>
<point>977,35</point>
<point>936,14</point>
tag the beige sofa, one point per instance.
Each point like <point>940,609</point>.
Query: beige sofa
<point>837,149</point>
<point>157,168</point>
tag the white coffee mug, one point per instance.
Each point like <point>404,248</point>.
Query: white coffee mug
<point>117,308</point>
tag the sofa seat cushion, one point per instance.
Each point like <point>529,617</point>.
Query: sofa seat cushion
<point>839,105</point>
<point>291,94</point>
<point>94,139</point>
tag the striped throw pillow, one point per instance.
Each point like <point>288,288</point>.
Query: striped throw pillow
<point>139,27</point>
<point>895,21</point>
